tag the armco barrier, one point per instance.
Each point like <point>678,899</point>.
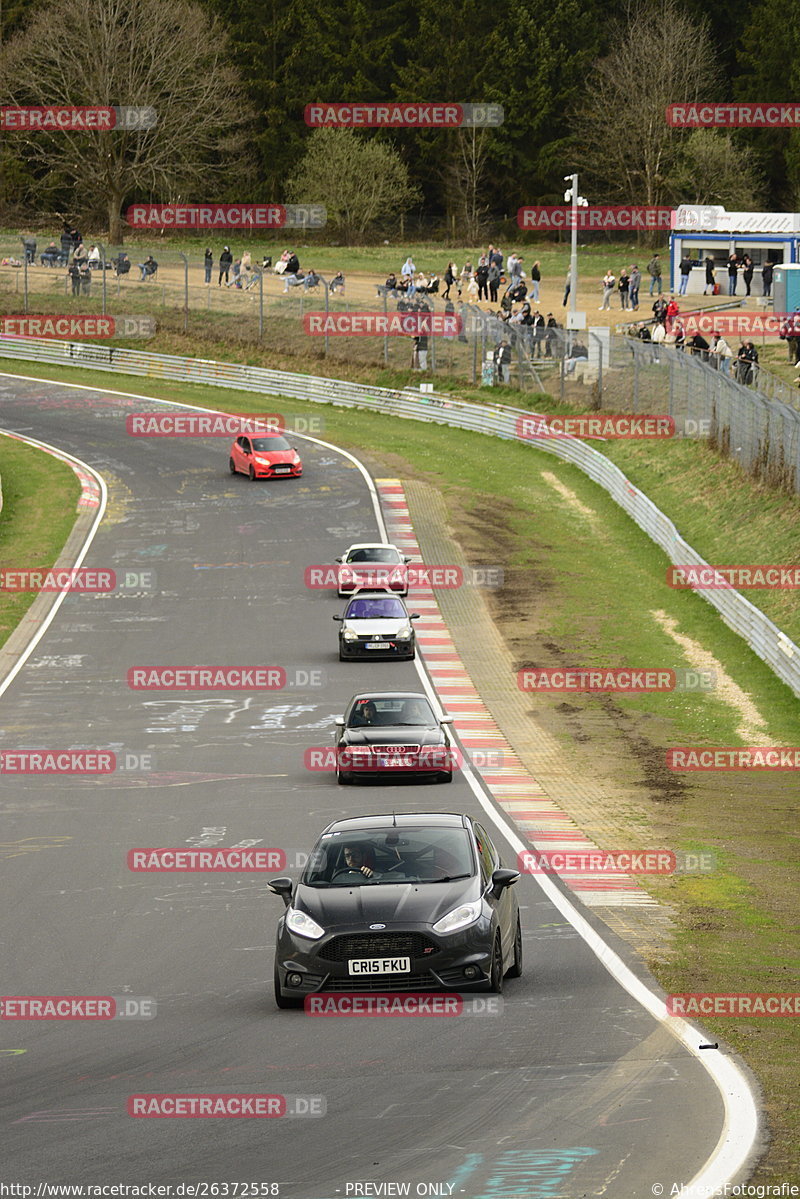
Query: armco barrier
<point>497,420</point>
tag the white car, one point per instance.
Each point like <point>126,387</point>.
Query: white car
<point>376,624</point>
<point>372,564</point>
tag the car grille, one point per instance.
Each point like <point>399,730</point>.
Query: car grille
<point>386,982</point>
<point>390,945</point>
<point>395,749</point>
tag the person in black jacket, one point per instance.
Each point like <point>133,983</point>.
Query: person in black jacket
<point>733,270</point>
<point>225,261</point>
<point>766,278</point>
<point>536,278</point>
<point>709,265</point>
<point>208,263</point>
<point>482,279</point>
<point>747,273</point>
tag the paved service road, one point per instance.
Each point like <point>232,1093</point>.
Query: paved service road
<point>573,1090</point>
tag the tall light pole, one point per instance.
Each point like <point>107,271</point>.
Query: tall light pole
<point>577,201</point>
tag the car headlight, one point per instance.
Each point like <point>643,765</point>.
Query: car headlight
<point>404,634</point>
<point>350,635</point>
<point>460,917</point>
<point>261,461</point>
<point>303,925</point>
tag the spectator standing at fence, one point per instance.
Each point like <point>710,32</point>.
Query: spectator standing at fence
<point>536,278</point>
<point>208,265</point>
<point>421,351</point>
<point>609,281</point>
<point>709,265</point>
<point>685,269</point>
<point>551,337</point>
<point>633,287</point>
<point>790,333</point>
<point>698,345</point>
<point>654,268</point>
<point>733,270</point>
<point>766,278</point>
<point>623,287</point>
<point>722,352</point>
<point>747,361</point>
<point>660,311</point>
<point>74,273</point>
<point>502,361</point>
<point>538,334</point>
<point>747,272</point>
<point>225,262</point>
<point>29,242</point>
<point>679,335</point>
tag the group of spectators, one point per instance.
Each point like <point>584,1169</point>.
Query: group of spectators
<point>242,274</point>
<point>716,353</point>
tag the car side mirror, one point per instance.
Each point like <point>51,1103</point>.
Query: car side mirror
<point>337,618</point>
<point>339,720</point>
<point>414,616</point>
<point>407,560</point>
<point>501,879</point>
<point>337,559</point>
<point>446,719</point>
<point>282,887</point>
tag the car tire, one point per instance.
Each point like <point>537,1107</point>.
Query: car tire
<point>344,778</point>
<point>252,474</point>
<point>515,970</point>
<point>494,985</point>
<point>283,1001</point>
<point>232,466</point>
<point>445,777</point>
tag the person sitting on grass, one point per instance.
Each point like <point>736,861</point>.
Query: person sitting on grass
<point>337,282</point>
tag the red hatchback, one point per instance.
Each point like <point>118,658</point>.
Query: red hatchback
<point>264,457</point>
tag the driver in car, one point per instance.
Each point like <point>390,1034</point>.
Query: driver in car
<point>357,858</point>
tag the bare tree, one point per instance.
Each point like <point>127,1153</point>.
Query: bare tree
<point>359,180</point>
<point>624,146</point>
<point>142,53</point>
<point>465,175</point>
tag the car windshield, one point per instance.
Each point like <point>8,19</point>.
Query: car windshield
<point>269,444</point>
<point>374,553</point>
<point>385,712</point>
<point>390,856</point>
<point>372,609</point>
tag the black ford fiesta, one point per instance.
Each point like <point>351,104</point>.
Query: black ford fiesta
<point>415,902</point>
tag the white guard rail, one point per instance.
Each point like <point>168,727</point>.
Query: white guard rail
<point>497,420</point>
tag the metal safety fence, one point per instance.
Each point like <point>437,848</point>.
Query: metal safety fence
<point>498,420</point>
